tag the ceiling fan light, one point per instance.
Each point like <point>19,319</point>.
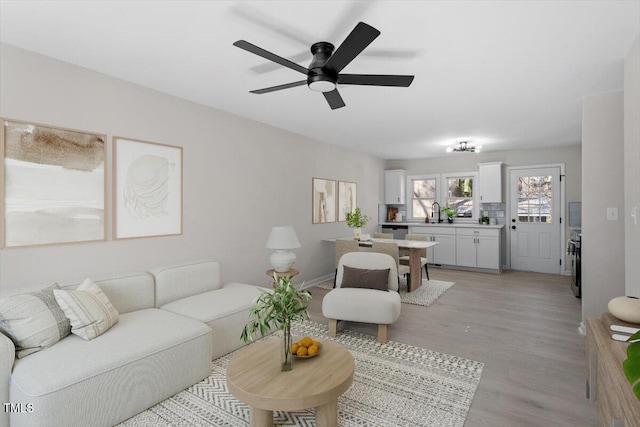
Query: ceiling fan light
<point>322,86</point>
<point>449,149</point>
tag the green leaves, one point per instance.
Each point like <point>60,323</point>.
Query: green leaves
<point>631,366</point>
<point>276,309</point>
<point>356,219</point>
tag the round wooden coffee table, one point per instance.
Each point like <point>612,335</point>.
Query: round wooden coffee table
<point>254,377</point>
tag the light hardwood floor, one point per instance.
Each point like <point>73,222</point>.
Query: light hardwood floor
<point>522,326</point>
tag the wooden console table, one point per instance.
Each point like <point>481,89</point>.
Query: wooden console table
<point>606,383</point>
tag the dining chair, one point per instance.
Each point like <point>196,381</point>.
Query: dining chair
<point>383,235</point>
<point>393,250</point>
<point>344,246</point>
<point>423,255</point>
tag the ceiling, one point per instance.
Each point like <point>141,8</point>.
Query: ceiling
<point>505,74</point>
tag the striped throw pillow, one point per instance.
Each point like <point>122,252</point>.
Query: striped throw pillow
<point>33,320</point>
<point>88,309</point>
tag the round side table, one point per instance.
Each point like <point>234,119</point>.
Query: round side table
<point>254,377</point>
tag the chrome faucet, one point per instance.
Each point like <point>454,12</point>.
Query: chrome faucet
<point>433,209</point>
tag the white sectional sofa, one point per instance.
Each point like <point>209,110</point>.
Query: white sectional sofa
<point>172,322</point>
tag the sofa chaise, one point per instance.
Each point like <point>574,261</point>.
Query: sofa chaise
<point>172,322</point>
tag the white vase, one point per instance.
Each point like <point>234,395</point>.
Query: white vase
<point>357,231</point>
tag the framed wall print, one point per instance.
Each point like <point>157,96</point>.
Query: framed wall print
<point>324,200</point>
<point>347,192</point>
<point>147,189</point>
<point>52,185</point>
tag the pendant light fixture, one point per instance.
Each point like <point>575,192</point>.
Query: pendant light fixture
<point>465,147</point>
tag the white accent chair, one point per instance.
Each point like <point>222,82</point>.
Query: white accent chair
<point>360,304</point>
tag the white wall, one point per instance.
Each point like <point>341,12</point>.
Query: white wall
<point>603,252</point>
<point>632,168</point>
<point>241,177</point>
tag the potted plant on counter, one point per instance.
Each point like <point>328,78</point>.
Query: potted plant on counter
<point>450,212</point>
<point>356,220</point>
<point>278,308</point>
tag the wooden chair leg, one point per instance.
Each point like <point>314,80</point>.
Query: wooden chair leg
<point>333,327</point>
<point>382,333</point>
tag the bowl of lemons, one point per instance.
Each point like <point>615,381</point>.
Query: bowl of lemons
<point>305,348</point>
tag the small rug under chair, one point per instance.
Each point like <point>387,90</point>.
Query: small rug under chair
<point>394,385</point>
<point>426,294</point>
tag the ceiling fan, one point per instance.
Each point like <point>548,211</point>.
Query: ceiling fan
<point>323,74</point>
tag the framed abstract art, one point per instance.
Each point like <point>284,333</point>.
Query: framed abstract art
<point>53,185</point>
<point>147,189</point>
<point>323,200</point>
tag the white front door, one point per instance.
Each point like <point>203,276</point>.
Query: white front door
<point>534,219</point>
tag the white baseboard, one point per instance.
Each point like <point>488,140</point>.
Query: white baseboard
<point>311,283</point>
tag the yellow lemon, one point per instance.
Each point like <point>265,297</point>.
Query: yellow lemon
<point>294,348</point>
<point>313,349</point>
<point>306,341</point>
<point>302,351</point>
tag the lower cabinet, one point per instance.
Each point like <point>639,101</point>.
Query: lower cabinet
<point>477,247</point>
<point>445,251</point>
<point>607,387</point>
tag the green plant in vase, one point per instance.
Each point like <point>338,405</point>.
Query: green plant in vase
<point>631,365</point>
<point>356,220</point>
<point>277,309</point>
<point>450,212</point>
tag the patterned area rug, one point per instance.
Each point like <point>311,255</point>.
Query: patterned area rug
<point>426,294</point>
<point>394,385</point>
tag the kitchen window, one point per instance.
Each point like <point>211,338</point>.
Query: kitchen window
<point>423,195</point>
<point>455,189</point>
<point>459,193</point>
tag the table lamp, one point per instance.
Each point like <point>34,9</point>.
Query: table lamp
<point>282,239</point>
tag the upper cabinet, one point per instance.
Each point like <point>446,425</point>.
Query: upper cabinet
<point>394,187</point>
<point>490,177</point>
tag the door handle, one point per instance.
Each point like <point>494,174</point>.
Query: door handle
<point>513,227</point>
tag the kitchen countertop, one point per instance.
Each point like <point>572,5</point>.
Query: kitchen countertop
<point>444,224</point>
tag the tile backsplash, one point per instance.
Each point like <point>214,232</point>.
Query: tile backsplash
<point>494,210</point>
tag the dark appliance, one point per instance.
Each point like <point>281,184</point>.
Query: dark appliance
<point>398,231</point>
<point>574,249</point>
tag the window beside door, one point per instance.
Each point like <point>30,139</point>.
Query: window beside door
<point>460,195</point>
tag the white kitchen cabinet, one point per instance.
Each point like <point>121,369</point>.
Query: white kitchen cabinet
<point>444,252</point>
<point>478,247</point>
<point>490,182</point>
<point>395,187</point>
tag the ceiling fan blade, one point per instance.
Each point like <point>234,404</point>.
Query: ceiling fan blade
<point>375,80</point>
<point>361,36</point>
<point>279,87</point>
<point>334,99</point>
<point>242,44</point>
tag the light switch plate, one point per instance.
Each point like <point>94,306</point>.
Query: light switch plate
<point>612,214</point>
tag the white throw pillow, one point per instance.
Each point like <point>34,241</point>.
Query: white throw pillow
<point>33,321</point>
<point>88,309</point>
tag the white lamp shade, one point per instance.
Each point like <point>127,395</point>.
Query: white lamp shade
<point>283,237</point>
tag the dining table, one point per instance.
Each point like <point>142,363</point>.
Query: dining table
<point>414,247</point>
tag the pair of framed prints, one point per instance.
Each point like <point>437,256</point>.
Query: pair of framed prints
<point>53,186</point>
<point>332,200</point>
